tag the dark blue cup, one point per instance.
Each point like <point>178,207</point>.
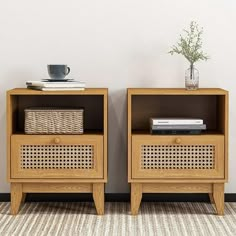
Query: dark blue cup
<point>58,72</point>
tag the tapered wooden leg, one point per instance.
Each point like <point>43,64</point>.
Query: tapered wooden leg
<point>211,198</point>
<point>136,197</point>
<point>16,197</point>
<point>23,197</point>
<point>218,195</point>
<point>98,197</point>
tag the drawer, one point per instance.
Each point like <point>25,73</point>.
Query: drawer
<point>186,156</point>
<point>57,156</point>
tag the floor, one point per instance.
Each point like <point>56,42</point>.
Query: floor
<point>80,218</point>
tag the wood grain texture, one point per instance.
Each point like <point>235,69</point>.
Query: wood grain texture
<point>218,195</point>
<point>144,167</point>
<point>225,111</point>
<point>105,132</point>
<point>57,188</point>
<point>30,177</point>
<point>129,114</point>
<point>23,195</point>
<point>211,198</point>
<point>98,197</point>
<point>16,197</point>
<point>9,132</point>
<point>176,180</point>
<point>136,197</point>
<point>57,180</point>
<point>176,91</point>
<point>10,113</point>
<point>176,188</point>
<point>87,91</point>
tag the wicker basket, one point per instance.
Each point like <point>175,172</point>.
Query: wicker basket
<point>54,121</point>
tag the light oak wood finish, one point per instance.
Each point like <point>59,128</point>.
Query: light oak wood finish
<point>58,180</point>
<point>98,197</point>
<point>218,196</point>
<point>176,188</point>
<point>48,163</point>
<point>105,133</point>
<point>136,197</point>
<point>211,198</point>
<point>157,176</point>
<point>176,91</point>
<point>16,197</point>
<point>87,91</point>
<point>57,188</point>
<point>175,180</point>
<point>24,195</point>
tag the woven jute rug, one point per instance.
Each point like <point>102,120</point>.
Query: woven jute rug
<point>80,218</point>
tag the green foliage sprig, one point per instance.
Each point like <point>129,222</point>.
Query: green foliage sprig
<point>190,45</point>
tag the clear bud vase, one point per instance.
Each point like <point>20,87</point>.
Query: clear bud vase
<point>191,78</point>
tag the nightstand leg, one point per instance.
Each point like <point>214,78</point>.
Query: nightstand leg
<point>23,197</point>
<point>211,198</point>
<point>136,197</point>
<point>16,197</point>
<point>218,195</point>
<point>98,197</point>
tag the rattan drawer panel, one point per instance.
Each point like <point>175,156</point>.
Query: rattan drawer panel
<point>46,157</point>
<point>175,157</point>
<point>194,157</point>
<point>69,157</point>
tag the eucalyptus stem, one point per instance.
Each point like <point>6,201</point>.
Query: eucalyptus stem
<point>191,71</point>
<point>190,45</point>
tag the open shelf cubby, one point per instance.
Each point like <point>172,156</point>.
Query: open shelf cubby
<point>206,107</point>
<point>92,105</point>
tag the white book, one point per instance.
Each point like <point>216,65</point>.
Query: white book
<point>59,84</point>
<point>176,121</point>
<point>56,88</point>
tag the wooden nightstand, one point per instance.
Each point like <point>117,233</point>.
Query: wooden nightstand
<point>178,163</point>
<point>57,163</point>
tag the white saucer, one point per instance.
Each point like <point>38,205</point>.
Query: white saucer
<point>57,80</point>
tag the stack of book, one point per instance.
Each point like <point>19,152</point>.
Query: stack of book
<point>176,126</point>
<point>50,85</point>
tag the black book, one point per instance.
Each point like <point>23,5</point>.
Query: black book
<point>175,131</point>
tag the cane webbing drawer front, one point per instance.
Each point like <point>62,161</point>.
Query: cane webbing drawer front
<point>174,157</point>
<point>52,156</point>
<point>46,157</point>
<point>178,156</point>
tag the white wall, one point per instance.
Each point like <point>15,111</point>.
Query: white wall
<point>115,44</point>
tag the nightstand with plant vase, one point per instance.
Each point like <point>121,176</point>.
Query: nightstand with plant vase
<point>178,162</point>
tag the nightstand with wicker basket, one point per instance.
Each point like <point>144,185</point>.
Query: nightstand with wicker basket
<point>57,143</point>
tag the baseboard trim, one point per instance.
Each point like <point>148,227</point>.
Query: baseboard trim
<point>117,197</point>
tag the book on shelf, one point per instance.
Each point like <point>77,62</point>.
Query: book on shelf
<point>178,127</point>
<point>176,121</point>
<point>171,132</point>
<point>55,88</point>
<point>55,84</point>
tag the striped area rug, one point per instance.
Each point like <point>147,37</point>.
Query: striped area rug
<point>154,219</point>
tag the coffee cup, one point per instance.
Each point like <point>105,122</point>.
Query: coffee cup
<point>58,72</point>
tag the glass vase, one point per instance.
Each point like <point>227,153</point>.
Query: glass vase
<point>191,78</point>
